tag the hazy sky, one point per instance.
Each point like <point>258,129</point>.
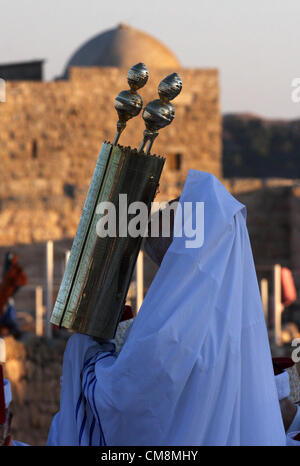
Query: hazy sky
<point>255,44</point>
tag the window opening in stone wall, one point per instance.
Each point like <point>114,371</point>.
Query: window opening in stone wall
<point>174,161</point>
<point>34,149</point>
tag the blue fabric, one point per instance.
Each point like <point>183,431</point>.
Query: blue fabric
<point>78,422</point>
<point>9,316</point>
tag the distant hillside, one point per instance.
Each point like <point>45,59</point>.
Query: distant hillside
<point>257,147</point>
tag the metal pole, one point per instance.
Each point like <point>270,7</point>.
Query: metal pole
<point>39,311</point>
<point>139,280</point>
<point>264,291</point>
<point>277,304</point>
<point>67,255</point>
<point>2,351</point>
<point>49,286</point>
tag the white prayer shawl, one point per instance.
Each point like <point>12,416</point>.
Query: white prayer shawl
<point>196,367</point>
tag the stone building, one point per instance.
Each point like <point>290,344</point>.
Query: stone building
<point>22,71</point>
<point>51,133</point>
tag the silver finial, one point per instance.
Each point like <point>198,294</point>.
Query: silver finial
<point>137,76</point>
<point>170,87</point>
<point>129,103</point>
<point>160,112</point>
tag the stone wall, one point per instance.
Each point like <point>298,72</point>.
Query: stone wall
<point>25,71</point>
<point>273,220</point>
<point>51,134</point>
<point>34,369</point>
<point>32,257</point>
<point>268,217</point>
<point>295,232</point>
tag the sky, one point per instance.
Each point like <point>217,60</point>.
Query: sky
<point>255,44</point>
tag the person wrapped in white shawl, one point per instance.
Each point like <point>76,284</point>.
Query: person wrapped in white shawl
<point>196,366</point>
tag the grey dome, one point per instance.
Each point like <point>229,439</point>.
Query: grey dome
<point>123,46</point>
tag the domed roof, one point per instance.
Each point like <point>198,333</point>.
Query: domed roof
<point>123,46</point>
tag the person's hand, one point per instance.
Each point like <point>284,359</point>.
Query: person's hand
<point>127,313</point>
<point>288,412</point>
<point>4,331</point>
<point>8,441</point>
<point>157,246</point>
